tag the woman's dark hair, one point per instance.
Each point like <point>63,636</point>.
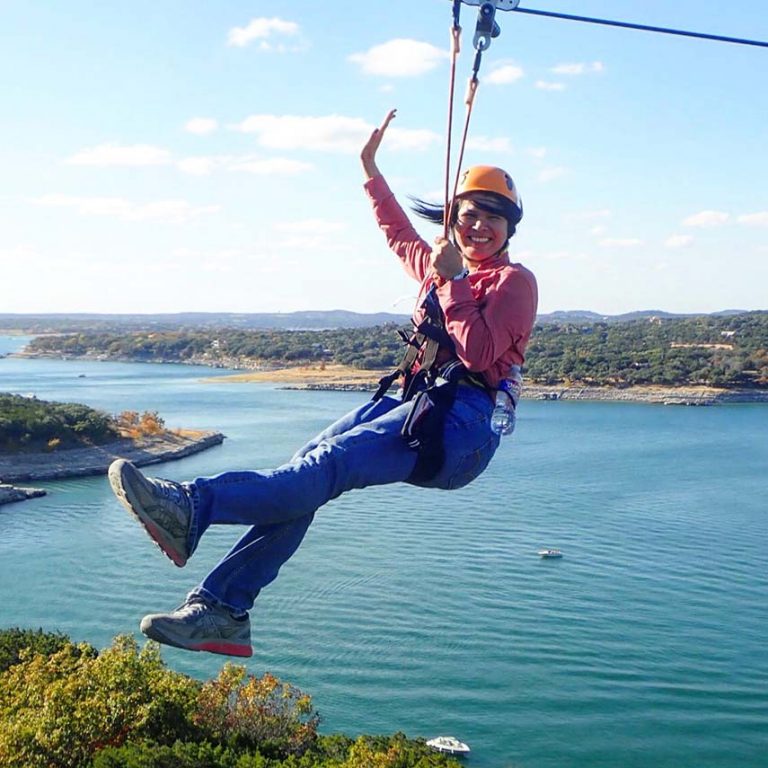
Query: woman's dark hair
<point>489,202</point>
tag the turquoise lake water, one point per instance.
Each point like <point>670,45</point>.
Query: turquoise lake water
<point>430,612</point>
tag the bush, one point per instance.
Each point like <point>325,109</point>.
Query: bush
<point>15,640</point>
<point>178,755</point>
<point>63,708</point>
<point>264,712</point>
<point>64,705</point>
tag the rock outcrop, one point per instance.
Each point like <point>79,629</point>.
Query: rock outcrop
<point>95,460</point>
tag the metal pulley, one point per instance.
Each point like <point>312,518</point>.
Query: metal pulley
<point>501,5</point>
<point>486,27</point>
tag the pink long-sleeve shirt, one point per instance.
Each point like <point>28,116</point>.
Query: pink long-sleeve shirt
<point>489,315</point>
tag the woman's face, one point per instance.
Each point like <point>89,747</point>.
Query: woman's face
<point>479,234</point>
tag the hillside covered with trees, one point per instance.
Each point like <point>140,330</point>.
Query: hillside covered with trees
<point>729,351</point>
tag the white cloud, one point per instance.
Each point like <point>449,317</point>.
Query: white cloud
<point>270,166</point>
<point>547,86</point>
<point>198,166</point>
<point>705,219</point>
<point>620,242</point>
<point>504,74</point>
<point>400,58</point>
<point>18,256</point>
<point>202,126</point>
<point>598,214</point>
<point>331,133</point>
<point>550,174</point>
<point>539,153</point>
<point>598,230</point>
<point>261,29</point>
<point>759,219</point>
<point>678,241</point>
<point>578,68</point>
<point>499,144</point>
<point>203,166</point>
<point>410,138</point>
<point>112,154</point>
<point>311,227</point>
<point>175,211</point>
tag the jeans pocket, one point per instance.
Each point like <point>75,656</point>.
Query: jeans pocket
<point>471,465</point>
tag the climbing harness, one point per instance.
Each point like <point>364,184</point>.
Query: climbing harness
<point>430,385</point>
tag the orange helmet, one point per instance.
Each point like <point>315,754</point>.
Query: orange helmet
<point>488,178</point>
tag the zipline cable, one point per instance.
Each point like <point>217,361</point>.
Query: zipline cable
<point>642,27</point>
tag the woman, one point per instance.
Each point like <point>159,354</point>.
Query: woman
<point>485,308</point>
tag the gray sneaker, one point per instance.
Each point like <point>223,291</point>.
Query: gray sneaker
<point>163,507</point>
<point>197,625</point>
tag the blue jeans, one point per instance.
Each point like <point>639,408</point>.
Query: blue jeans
<point>361,449</point>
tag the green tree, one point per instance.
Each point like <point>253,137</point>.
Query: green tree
<point>57,711</point>
<point>250,711</point>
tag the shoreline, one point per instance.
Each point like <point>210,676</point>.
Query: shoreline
<point>95,460</point>
<point>338,378</point>
<point>345,378</point>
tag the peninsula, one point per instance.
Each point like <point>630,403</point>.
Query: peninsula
<point>95,460</point>
<point>44,441</point>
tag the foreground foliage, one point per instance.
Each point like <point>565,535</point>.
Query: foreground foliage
<point>66,705</point>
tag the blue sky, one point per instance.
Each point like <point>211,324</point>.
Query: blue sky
<point>204,156</point>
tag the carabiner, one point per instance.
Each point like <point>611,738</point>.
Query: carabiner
<point>486,26</point>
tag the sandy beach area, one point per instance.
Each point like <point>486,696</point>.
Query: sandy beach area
<point>342,377</point>
<point>338,377</point>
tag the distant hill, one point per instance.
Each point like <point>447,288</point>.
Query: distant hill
<point>291,321</point>
<point>586,316</point>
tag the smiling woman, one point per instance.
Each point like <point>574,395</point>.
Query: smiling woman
<point>473,318</point>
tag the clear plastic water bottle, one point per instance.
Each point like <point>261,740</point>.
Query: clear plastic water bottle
<point>507,397</point>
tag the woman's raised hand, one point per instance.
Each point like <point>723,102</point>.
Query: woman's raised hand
<point>368,153</point>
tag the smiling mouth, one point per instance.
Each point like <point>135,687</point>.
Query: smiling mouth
<point>479,240</point>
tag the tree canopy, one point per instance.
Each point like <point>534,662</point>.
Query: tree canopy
<point>729,351</point>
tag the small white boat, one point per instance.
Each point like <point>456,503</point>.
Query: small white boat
<point>450,745</point>
<point>550,553</point>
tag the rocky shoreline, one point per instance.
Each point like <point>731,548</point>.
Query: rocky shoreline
<point>656,395</point>
<point>95,460</point>
<point>344,378</point>
<point>647,394</point>
<point>10,493</point>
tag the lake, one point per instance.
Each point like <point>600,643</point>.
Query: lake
<point>430,612</point>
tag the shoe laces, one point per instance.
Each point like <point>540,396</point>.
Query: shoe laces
<point>168,489</point>
<point>193,605</point>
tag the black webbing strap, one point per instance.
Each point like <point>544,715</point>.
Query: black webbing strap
<point>427,339</point>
